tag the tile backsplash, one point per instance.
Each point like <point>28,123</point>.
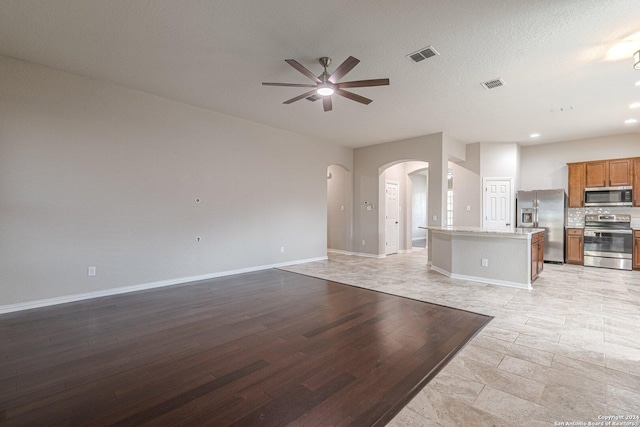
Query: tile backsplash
<point>575,216</point>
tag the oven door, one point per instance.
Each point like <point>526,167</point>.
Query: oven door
<point>608,248</point>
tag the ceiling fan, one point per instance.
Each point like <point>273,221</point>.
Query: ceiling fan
<point>327,84</point>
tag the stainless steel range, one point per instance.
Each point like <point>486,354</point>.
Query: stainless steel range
<point>608,241</point>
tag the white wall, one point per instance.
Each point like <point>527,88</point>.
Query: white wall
<point>545,166</point>
<point>92,174</point>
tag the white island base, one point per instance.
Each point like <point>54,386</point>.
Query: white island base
<point>487,256</point>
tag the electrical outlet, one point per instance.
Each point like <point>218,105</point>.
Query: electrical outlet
<point>363,243</point>
<point>91,271</point>
<point>485,262</point>
<point>281,249</point>
<point>468,208</point>
<point>342,207</point>
<point>435,217</point>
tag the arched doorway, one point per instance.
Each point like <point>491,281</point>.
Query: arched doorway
<point>404,173</point>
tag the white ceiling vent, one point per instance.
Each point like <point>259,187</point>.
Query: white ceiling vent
<point>422,54</point>
<point>492,84</point>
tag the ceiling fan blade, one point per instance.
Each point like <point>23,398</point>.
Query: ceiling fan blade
<point>326,103</point>
<point>298,66</point>
<point>299,97</point>
<point>343,69</point>
<point>352,96</point>
<point>288,84</point>
<point>364,83</point>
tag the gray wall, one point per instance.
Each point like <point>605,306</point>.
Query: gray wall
<point>419,205</point>
<point>467,188</point>
<point>92,174</point>
<point>545,166</point>
<point>368,165</point>
<point>501,160</point>
<point>339,208</point>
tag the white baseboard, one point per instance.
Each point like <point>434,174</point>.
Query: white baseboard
<point>144,286</point>
<point>339,252</point>
<point>482,279</point>
<point>360,254</point>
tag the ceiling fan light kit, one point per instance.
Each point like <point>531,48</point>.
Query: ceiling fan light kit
<point>325,90</point>
<point>327,84</point>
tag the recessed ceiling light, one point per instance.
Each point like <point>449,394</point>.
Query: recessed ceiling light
<point>635,105</point>
<point>630,121</point>
<point>534,135</point>
<point>638,83</point>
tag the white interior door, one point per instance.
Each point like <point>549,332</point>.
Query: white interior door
<point>392,217</point>
<point>498,202</point>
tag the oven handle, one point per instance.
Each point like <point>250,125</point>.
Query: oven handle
<point>605,230</point>
<point>616,255</point>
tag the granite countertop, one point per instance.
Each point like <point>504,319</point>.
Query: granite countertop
<point>510,232</point>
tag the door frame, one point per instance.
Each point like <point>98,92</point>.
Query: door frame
<point>512,205</point>
<point>397,236</point>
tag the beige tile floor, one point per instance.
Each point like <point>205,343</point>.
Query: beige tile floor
<point>567,351</point>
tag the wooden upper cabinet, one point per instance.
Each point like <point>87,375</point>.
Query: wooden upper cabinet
<point>597,174</point>
<point>636,182</point>
<point>620,172</point>
<point>577,184</point>
<point>609,173</point>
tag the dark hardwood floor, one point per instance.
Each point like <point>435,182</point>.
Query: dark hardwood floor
<point>266,348</point>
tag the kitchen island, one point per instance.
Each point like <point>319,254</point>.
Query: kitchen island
<point>511,257</point>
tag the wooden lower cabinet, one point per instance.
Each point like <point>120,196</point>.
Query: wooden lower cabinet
<point>636,249</point>
<point>575,246</point>
<point>537,255</point>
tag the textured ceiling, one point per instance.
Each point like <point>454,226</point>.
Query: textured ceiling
<point>215,54</point>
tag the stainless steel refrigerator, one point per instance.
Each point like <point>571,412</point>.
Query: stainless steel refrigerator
<point>544,209</point>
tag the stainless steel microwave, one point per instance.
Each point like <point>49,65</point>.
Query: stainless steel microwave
<point>608,196</point>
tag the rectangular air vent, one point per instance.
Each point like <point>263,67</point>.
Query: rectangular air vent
<point>422,54</point>
<point>492,84</point>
